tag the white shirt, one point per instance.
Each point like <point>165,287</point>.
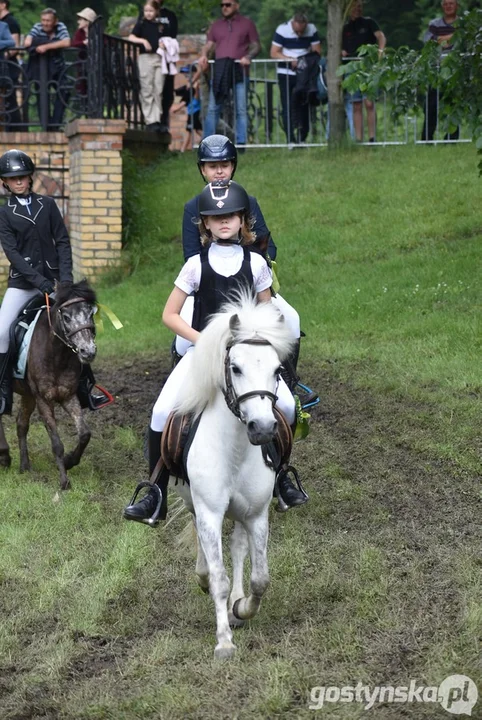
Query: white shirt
<point>225,260</point>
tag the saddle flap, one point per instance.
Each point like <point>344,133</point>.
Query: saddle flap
<point>277,452</point>
<point>173,441</point>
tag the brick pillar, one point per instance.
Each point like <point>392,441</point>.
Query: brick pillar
<point>95,205</point>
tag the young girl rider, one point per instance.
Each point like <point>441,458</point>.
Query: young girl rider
<point>224,264</point>
<point>36,242</point>
<point>217,159</point>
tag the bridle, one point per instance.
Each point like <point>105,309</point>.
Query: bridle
<point>67,335</point>
<point>233,401</point>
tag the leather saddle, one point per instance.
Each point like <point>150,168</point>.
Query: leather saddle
<point>180,430</point>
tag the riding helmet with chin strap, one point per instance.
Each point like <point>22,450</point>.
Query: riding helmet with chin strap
<point>15,163</point>
<point>216,148</point>
<point>223,197</point>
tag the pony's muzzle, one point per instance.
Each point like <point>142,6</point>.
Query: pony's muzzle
<point>261,432</point>
<point>87,355</point>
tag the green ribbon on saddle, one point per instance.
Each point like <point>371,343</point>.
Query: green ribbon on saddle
<point>99,323</point>
<point>302,421</point>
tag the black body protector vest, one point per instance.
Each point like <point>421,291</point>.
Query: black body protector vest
<point>214,289</point>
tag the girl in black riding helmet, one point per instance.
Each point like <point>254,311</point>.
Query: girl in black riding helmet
<point>225,264</point>
<point>36,242</point>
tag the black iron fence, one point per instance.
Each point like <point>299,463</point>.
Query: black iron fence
<point>45,91</point>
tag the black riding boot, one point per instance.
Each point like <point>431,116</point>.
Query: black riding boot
<point>290,376</point>
<point>89,394</point>
<point>291,496</point>
<point>148,510</point>
<point>6,384</point>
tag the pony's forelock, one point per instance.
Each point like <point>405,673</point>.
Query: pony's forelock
<point>81,289</point>
<point>255,321</point>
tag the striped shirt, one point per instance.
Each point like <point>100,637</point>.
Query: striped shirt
<point>60,32</point>
<point>293,45</point>
<point>438,28</point>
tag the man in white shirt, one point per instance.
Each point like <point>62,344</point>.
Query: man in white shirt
<point>291,41</point>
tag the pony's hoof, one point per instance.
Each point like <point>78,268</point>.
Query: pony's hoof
<point>5,460</point>
<point>224,653</point>
<point>234,621</point>
<point>65,485</point>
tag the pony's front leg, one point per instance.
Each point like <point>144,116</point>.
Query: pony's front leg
<point>23,423</point>
<point>202,570</point>
<point>239,550</point>
<point>209,526</point>
<point>72,407</point>
<point>47,414</point>
<point>257,530</point>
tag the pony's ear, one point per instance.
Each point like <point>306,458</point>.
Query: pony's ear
<point>234,323</point>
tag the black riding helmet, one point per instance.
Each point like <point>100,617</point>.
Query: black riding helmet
<point>14,163</point>
<point>216,148</point>
<point>223,198</point>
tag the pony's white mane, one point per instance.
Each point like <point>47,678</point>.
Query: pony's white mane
<point>256,320</point>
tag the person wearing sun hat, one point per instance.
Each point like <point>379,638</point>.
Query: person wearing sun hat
<point>85,18</point>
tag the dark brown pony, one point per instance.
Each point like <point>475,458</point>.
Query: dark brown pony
<point>63,339</point>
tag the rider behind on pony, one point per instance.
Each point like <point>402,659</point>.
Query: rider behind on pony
<point>225,265</point>
<point>36,242</point>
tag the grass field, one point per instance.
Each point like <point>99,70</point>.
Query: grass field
<point>377,579</point>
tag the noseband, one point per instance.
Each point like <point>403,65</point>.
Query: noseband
<point>66,336</point>
<point>233,401</point>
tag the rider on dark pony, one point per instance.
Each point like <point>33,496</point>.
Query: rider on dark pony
<point>36,242</point>
<point>225,264</point>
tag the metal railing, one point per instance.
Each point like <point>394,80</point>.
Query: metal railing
<point>266,108</point>
<point>280,114</point>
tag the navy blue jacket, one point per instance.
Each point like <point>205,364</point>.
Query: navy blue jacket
<point>191,240</point>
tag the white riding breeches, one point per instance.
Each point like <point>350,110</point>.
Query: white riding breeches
<point>290,315</point>
<point>168,396</point>
<point>13,301</point>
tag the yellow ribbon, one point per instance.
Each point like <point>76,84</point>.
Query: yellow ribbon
<point>112,317</point>
<point>274,271</point>
<point>302,421</point>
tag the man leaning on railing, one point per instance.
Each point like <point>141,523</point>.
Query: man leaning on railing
<point>49,36</point>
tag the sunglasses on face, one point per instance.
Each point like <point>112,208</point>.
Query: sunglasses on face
<point>226,5</point>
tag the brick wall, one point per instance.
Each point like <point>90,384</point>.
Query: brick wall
<point>91,150</point>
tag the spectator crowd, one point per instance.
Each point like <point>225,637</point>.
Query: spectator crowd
<point>217,83</point>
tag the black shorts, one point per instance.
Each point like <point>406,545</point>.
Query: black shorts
<point>195,120</point>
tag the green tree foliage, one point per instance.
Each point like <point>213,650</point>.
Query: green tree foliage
<point>407,74</point>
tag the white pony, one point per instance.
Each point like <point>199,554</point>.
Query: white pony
<point>233,378</point>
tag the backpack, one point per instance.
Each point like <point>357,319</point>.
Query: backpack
<point>321,84</point>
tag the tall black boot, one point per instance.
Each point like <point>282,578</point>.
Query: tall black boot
<point>289,366</point>
<point>91,395</point>
<point>6,384</point>
<point>153,506</point>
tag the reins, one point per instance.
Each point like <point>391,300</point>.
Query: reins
<point>67,335</point>
<point>233,401</point>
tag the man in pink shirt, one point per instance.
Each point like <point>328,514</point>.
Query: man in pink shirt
<point>233,38</point>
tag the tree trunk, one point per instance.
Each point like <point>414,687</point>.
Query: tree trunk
<point>336,106</point>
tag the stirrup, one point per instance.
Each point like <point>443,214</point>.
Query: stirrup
<point>312,397</point>
<point>153,521</point>
<point>282,506</point>
<point>96,402</point>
